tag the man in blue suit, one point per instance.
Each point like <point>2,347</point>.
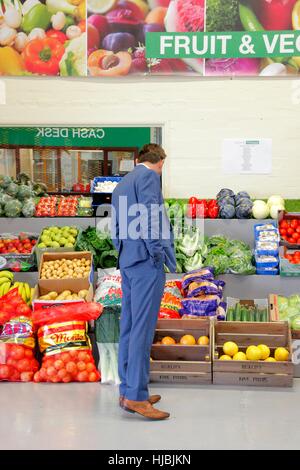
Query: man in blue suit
<point>143,236</point>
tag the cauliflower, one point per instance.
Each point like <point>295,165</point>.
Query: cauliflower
<point>73,62</point>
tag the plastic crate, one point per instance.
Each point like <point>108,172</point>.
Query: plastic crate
<point>288,269</point>
<point>102,179</point>
<point>107,326</point>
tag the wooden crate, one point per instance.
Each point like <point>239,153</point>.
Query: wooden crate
<point>182,364</point>
<point>252,373</point>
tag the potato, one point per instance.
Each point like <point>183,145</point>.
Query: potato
<point>53,295</point>
<point>82,293</point>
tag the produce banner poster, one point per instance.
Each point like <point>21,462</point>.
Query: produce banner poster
<point>119,38</point>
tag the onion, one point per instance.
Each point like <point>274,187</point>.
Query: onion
<point>260,210</point>
<point>232,67</point>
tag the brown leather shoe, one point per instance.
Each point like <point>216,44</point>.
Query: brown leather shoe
<point>152,399</point>
<point>145,409</point>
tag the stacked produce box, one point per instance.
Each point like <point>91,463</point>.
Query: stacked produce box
<point>266,249</point>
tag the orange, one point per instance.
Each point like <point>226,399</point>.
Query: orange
<point>187,340</point>
<point>167,340</point>
<point>203,341</point>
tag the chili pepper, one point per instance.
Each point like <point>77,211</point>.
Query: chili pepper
<point>275,15</point>
<point>43,55</point>
<point>59,35</point>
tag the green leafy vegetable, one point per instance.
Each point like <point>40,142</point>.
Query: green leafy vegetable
<point>222,15</point>
<point>108,259</point>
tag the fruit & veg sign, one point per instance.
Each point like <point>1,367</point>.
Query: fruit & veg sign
<point>120,38</point>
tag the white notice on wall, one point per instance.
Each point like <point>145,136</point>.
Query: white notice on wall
<point>247,156</point>
<point>2,92</point>
<point>126,165</point>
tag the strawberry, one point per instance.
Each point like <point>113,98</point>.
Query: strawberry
<point>160,66</point>
<point>139,61</point>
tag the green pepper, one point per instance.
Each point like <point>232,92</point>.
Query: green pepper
<point>37,17</point>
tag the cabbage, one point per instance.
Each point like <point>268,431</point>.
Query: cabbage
<point>283,302</point>
<point>226,200</point>
<point>260,210</point>
<point>13,208</point>
<point>12,189</point>
<point>295,324</point>
<point>275,209</point>
<point>244,211</point>
<point>227,211</point>
<point>4,198</point>
<point>24,192</point>
<point>28,208</point>
<point>225,192</point>
<point>275,200</point>
<point>5,181</point>
<point>294,301</point>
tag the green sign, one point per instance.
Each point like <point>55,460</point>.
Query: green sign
<point>75,136</point>
<point>258,44</point>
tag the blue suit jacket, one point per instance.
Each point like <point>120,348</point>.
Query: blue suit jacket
<point>140,226</point>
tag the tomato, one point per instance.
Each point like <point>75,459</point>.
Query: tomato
<point>90,367</point>
<point>290,231</point>
<point>17,352</point>
<point>5,372</point>
<point>65,357</point>
<point>67,378</point>
<point>37,378</point>
<point>71,367</point>
<point>81,365</point>
<point>62,373</point>
<point>24,365</point>
<point>51,371</point>
<point>59,364</point>
<point>282,231</point>
<point>28,353</point>
<point>294,223</point>
<point>93,377</point>
<point>83,356</point>
<point>82,376</point>
<point>295,236</point>
<point>26,376</point>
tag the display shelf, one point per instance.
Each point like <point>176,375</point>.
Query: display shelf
<point>237,229</point>
<point>36,224</point>
<point>243,287</point>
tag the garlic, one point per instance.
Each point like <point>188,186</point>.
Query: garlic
<point>7,35</point>
<point>13,17</point>
<point>73,32</point>
<point>21,41</point>
<point>58,20</point>
<point>36,33</point>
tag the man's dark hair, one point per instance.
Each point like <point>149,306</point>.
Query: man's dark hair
<point>152,153</point>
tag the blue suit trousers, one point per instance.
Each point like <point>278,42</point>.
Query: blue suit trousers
<point>142,286</point>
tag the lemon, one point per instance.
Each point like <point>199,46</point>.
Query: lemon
<point>270,359</point>
<point>100,6</point>
<point>225,357</point>
<point>281,354</point>
<point>240,356</point>
<point>296,15</point>
<point>265,351</point>
<point>230,348</point>
<point>253,353</point>
<point>203,341</point>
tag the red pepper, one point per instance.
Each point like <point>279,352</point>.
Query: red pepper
<point>275,15</point>
<point>59,35</point>
<point>202,208</point>
<point>192,208</point>
<point>42,56</point>
<point>213,212</point>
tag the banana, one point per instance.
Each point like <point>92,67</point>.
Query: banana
<point>5,288</point>
<point>7,274</point>
<point>3,280</point>
<point>31,293</point>
<point>27,291</point>
<point>1,289</point>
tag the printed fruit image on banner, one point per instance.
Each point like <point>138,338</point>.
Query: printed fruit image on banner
<point>251,16</point>
<point>44,37</point>
<point>117,29</point>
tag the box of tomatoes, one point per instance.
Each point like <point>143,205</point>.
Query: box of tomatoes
<point>18,247</point>
<point>289,262</point>
<point>289,229</point>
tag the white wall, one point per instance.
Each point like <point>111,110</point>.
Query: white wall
<point>196,115</point>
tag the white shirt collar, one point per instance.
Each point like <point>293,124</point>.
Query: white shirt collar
<point>144,164</point>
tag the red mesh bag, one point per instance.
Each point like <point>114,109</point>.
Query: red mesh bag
<point>65,344</point>
<point>17,343</point>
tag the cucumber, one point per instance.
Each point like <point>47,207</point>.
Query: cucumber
<point>252,312</point>
<point>247,314</point>
<point>238,312</point>
<point>229,315</point>
<point>265,315</point>
<point>244,312</point>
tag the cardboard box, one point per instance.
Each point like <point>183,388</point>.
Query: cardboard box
<point>74,285</point>
<point>260,303</point>
<point>39,291</point>
<point>288,269</point>
<point>61,249</point>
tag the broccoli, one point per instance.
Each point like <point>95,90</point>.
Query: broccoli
<point>222,15</point>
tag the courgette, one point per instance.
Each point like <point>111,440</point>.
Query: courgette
<point>238,312</point>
